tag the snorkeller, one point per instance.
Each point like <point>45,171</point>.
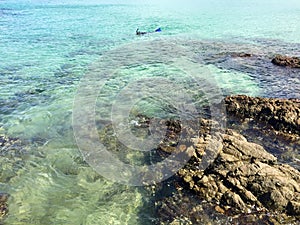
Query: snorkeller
<point>138,32</point>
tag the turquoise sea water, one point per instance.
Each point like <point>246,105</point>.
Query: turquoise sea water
<point>47,47</point>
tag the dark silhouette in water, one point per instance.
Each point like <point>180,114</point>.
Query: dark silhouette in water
<point>138,32</point>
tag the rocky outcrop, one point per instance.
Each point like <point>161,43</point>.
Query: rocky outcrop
<point>240,177</point>
<point>183,208</point>
<point>281,60</point>
<point>281,114</point>
<point>244,176</point>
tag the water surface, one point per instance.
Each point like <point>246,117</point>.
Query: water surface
<point>47,48</point>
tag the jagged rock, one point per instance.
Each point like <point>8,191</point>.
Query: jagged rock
<point>281,60</point>
<point>281,114</point>
<point>184,208</point>
<point>241,180</point>
<point>242,177</point>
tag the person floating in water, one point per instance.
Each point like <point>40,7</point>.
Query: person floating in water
<point>138,32</point>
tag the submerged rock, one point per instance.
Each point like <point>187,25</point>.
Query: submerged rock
<point>281,60</point>
<point>241,55</point>
<point>185,209</point>
<point>11,151</point>
<point>8,144</point>
<point>3,205</point>
<point>181,208</point>
<point>281,114</point>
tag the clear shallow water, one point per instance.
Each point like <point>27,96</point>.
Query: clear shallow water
<point>47,48</point>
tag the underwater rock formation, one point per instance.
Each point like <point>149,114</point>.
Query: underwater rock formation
<point>11,150</point>
<point>3,205</point>
<point>240,179</point>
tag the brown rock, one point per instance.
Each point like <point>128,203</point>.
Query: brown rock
<point>243,177</point>
<point>281,114</point>
<point>239,179</point>
<point>219,209</point>
<point>281,60</point>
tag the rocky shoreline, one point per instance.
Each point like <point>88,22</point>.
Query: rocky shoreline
<point>229,179</point>
<point>243,179</point>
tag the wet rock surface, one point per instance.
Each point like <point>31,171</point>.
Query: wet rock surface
<point>239,179</point>
<point>287,61</point>
<point>284,147</point>
<point>283,115</point>
<point>182,208</point>
<point>245,176</point>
